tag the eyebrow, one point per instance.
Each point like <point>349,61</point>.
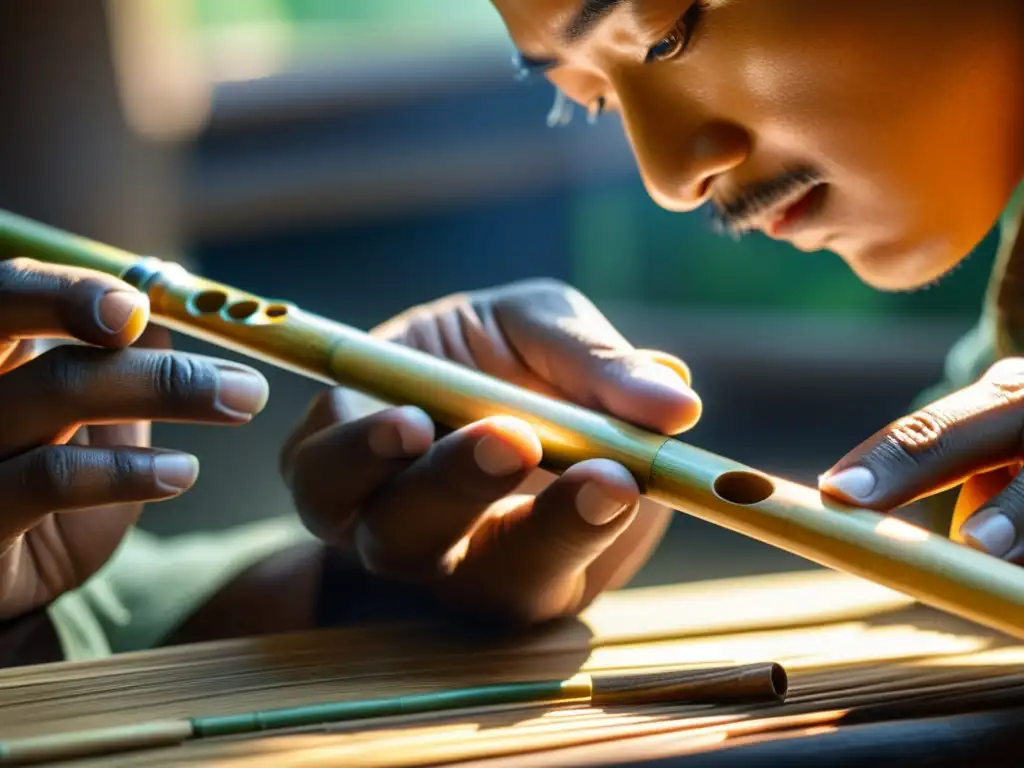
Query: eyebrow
<point>590,14</point>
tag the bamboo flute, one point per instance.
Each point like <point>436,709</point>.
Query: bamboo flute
<point>746,684</point>
<point>796,518</point>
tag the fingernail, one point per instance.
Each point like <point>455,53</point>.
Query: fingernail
<point>117,308</point>
<point>496,457</point>
<point>661,374</point>
<point>176,471</point>
<point>242,393</point>
<point>990,531</point>
<point>596,506</point>
<point>856,483</point>
<point>398,440</point>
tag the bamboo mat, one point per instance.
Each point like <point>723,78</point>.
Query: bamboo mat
<point>855,653</point>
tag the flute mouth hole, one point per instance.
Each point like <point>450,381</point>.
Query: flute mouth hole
<point>276,311</point>
<point>779,681</point>
<point>243,310</point>
<point>743,488</point>
<point>208,302</point>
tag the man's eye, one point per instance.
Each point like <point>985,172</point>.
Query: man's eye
<point>677,41</point>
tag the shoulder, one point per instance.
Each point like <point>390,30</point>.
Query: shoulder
<point>1000,329</point>
<point>1005,301</point>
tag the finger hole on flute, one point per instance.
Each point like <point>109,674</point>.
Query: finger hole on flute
<point>743,488</point>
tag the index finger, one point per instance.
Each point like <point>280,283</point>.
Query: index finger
<point>40,300</point>
<point>974,430</point>
<point>566,341</point>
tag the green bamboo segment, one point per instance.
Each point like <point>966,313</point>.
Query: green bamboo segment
<point>26,238</point>
<point>745,684</point>
<point>296,717</point>
<point>792,517</point>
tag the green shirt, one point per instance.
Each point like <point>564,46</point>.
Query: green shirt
<point>151,585</point>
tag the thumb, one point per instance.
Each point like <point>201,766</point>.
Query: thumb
<point>566,341</point>
<point>41,300</point>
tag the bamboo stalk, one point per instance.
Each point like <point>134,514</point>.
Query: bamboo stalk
<point>795,518</point>
<point>970,669</point>
<point>756,683</point>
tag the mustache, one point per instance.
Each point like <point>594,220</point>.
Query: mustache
<point>732,216</point>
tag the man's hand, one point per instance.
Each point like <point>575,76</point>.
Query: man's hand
<point>974,436</point>
<point>75,461</point>
<point>469,513</point>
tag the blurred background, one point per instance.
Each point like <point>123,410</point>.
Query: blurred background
<point>361,156</point>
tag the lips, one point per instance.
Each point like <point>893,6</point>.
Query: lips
<point>791,214</point>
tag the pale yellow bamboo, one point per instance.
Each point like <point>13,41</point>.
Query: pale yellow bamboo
<point>951,666</point>
<point>795,518</point>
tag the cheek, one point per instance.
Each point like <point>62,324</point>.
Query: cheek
<point>919,185</point>
<point>920,162</point>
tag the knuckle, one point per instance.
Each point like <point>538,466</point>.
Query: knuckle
<point>286,458</point>
<point>334,406</point>
<point>21,275</point>
<point>13,273</point>
<point>544,285</point>
<point>304,470</point>
<point>1005,379</point>
<point>451,476</point>
<point>542,294</point>
<point>948,424</point>
<point>123,464</point>
<point>49,475</point>
<point>176,377</point>
<point>9,276</point>
<point>384,555</point>
<point>314,525</point>
<point>318,524</point>
<point>919,433</point>
<point>317,509</point>
<point>563,544</point>
<point>352,405</point>
<point>407,327</point>
<point>60,372</point>
<point>312,516</point>
<point>374,555</point>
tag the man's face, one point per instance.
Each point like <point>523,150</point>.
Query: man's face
<point>888,131</point>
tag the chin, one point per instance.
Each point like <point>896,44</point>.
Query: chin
<point>904,266</point>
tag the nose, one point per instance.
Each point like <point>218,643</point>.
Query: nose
<point>680,151</point>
